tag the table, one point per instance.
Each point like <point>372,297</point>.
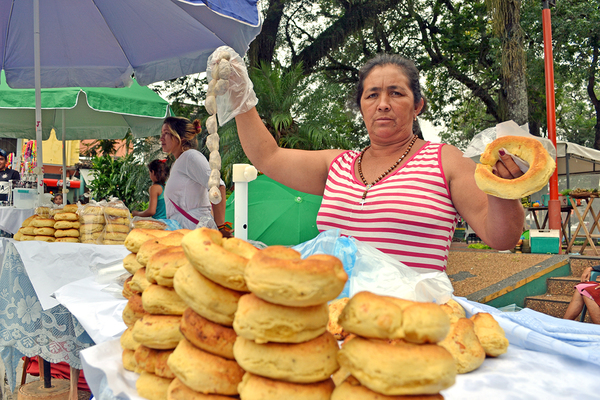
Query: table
<point>587,233</point>
<point>565,213</point>
<point>11,218</point>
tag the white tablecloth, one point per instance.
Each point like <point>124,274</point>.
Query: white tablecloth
<point>11,218</point>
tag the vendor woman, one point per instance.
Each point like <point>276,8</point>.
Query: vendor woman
<point>6,174</point>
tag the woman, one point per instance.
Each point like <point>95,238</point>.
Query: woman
<point>159,172</point>
<point>400,194</point>
<point>186,192</point>
<point>587,293</point>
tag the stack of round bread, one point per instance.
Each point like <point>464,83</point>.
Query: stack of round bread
<point>67,224</point>
<point>117,218</point>
<point>153,311</point>
<point>91,218</point>
<point>211,283</point>
<point>283,343</point>
<point>470,340</point>
<point>25,232</point>
<point>395,350</point>
<point>42,229</point>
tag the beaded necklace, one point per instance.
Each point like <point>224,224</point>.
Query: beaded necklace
<point>383,175</point>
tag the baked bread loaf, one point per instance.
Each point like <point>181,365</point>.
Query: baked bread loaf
<point>149,224</point>
<point>111,211</point>
<point>137,237</point>
<point>66,216</point>
<point>162,300</point>
<point>221,260</point>
<point>207,335</point>
<point>28,220</point>
<point>89,237</point>
<point>159,332</point>
<point>161,267</point>
<point>42,223</point>
<point>89,219</point>
<point>28,230</point>
<point>264,322</point>
<point>307,362</point>
<point>25,238</point>
<point>384,317</point>
<point>67,239</point>
<point>128,359</point>
<point>464,346</point>
<point>112,220</point>
<point>43,238</point>
<point>139,283</point>
<point>400,367</point>
<point>278,275</point>
<point>68,208</point>
<point>204,372</point>
<point>59,233</point>
<point>90,209</point>
<point>133,310</point>
<point>152,387</point>
<point>212,301</point>
<point>127,291</point>
<point>352,389</point>
<point>130,263</point>
<point>335,309</point>
<point>454,310</point>
<point>254,387</point>
<point>490,334</point>
<point>127,341</point>
<point>91,228</point>
<point>178,391</point>
<point>153,361</point>
<point>115,236</point>
<point>44,231</point>
<point>153,246</point>
<point>541,167</point>
<point>117,228</point>
<point>67,225</point>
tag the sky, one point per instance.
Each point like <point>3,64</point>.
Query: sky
<point>430,132</point>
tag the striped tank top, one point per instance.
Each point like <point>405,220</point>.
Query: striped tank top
<point>408,215</point>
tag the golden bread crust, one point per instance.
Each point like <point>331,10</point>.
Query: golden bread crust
<point>255,387</point>
<point>207,335</point>
<point>160,332</point>
<point>352,389</point>
<point>152,387</point>
<point>490,334</point>
<point>464,346</point>
<point>162,300</point>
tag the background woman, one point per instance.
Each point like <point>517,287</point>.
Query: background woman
<point>400,194</point>
<point>159,172</point>
<point>186,192</point>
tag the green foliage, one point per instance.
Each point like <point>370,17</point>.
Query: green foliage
<point>479,246</point>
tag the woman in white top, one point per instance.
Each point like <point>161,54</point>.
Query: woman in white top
<point>186,192</point>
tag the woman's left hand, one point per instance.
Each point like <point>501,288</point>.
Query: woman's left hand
<point>506,167</point>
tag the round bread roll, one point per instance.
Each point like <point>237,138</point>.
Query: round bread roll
<point>91,228</point>
<point>25,238</point>
<point>66,216</point>
<point>400,368</point>
<point>161,267</point>
<point>128,360</point>
<point>127,291</point>
<point>178,391</point>
<point>207,335</point>
<point>69,208</point>
<point>43,238</point>
<point>17,236</point>
<point>28,230</point>
<point>335,309</point>
<point>44,231</point>
<point>130,263</point>
<point>116,212</point>
<point>204,372</point>
<point>137,237</point>
<point>541,167</point>
<point>490,334</point>
<point>67,240</point>
<point>384,317</point>
<point>212,301</point>
<point>221,260</point>
<point>153,246</point>
<point>454,310</point>
<point>67,225</point>
<point>113,242</point>
<point>152,387</point>
<point>116,236</point>
<point>149,224</point>
<point>92,237</point>
<point>264,322</point>
<point>42,223</point>
<point>117,228</point>
<point>163,300</point>
<point>111,220</point>
<point>254,387</point>
<point>89,219</point>
<point>278,275</point>
<point>139,283</point>
<point>464,346</point>
<point>90,209</point>
<point>59,233</point>
<point>159,332</point>
<point>161,366</point>
<point>307,362</point>
<point>127,341</point>
<point>352,389</point>
<point>153,361</point>
<point>28,220</point>
<point>133,310</point>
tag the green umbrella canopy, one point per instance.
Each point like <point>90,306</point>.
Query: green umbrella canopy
<point>278,215</point>
<point>89,113</point>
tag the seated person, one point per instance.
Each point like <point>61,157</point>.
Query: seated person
<point>587,293</point>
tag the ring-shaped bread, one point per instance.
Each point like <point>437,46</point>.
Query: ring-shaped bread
<point>279,275</point>
<point>541,167</point>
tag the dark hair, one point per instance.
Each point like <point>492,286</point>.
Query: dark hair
<point>408,68</point>
<point>160,169</point>
<point>3,153</point>
<point>184,131</point>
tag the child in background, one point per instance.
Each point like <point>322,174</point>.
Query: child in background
<point>159,172</point>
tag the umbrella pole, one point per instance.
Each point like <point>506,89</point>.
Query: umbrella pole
<point>64,159</point>
<point>39,169</point>
<point>242,174</point>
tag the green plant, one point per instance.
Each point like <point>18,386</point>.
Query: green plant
<point>479,246</point>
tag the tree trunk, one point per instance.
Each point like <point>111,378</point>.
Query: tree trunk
<point>263,47</point>
<point>590,89</point>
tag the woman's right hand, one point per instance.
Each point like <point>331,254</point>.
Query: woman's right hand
<point>239,97</point>
<point>585,277</point>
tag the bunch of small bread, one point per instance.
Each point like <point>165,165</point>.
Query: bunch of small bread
<point>51,225</point>
<point>470,340</point>
<point>153,311</point>
<point>104,223</point>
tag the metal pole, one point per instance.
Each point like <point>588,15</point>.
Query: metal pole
<point>554,220</point>
<point>39,170</point>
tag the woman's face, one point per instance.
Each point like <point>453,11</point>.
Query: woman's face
<point>167,141</point>
<point>387,103</point>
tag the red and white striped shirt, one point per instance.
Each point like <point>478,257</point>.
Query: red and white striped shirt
<point>408,215</point>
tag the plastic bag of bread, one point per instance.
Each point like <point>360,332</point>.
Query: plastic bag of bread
<point>92,221</point>
<point>148,223</point>
<point>118,222</point>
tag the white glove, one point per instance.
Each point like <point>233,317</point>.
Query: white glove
<point>239,96</point>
